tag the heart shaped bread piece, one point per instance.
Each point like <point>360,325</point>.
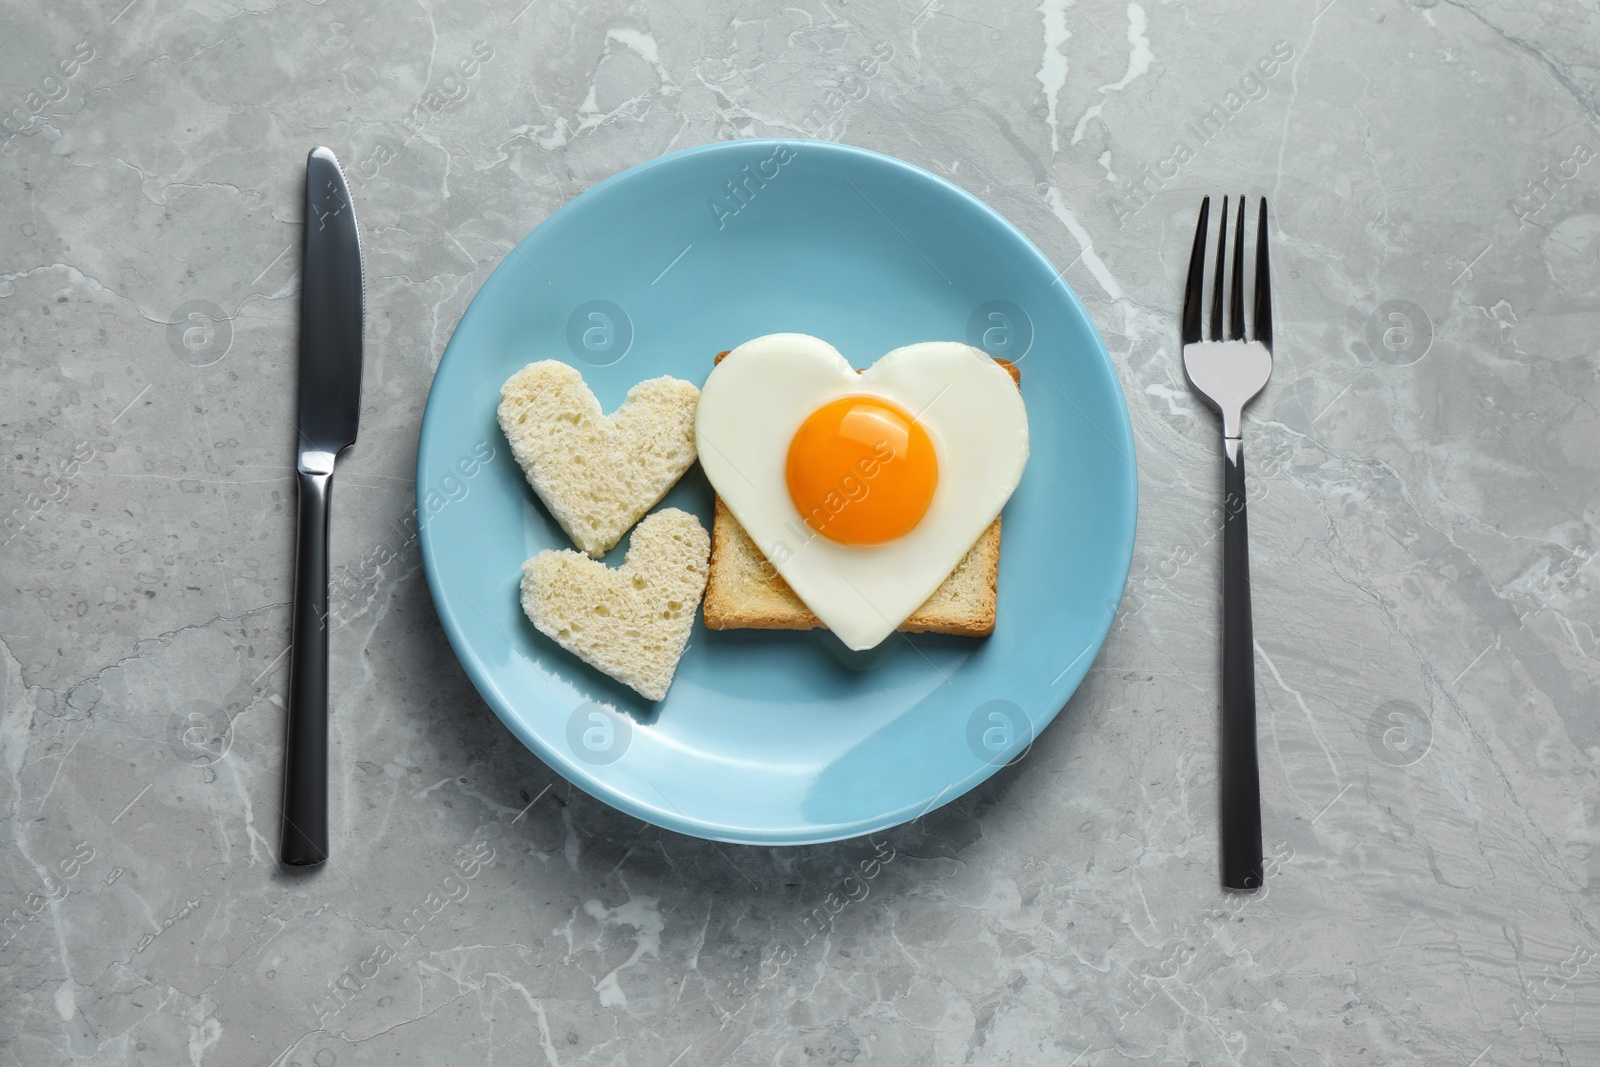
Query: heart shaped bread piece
<point>596,473</point>
<point>633,622</point>
<point>761,393</point>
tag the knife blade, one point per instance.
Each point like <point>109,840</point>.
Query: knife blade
<point>331,315</point>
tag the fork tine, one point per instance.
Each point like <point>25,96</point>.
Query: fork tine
<point>1236,299</point>
<point>1197,271</point>
<point>1263,298</point>
<point>1216,291</point>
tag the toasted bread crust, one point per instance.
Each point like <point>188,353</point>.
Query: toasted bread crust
<point>746,592</point>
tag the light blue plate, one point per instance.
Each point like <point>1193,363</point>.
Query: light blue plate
<point>779,737</point>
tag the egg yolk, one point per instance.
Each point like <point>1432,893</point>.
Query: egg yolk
<point>861,470</point>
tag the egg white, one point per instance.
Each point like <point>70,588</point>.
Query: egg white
<point>761,392</point>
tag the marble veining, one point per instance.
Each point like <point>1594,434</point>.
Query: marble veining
<point>1423,479</point>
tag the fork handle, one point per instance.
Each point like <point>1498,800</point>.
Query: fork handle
<point>1237,768</point>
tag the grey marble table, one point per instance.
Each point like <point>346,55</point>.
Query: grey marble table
<point>1425,461</point>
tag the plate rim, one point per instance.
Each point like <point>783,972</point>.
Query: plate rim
<point>667,817</point>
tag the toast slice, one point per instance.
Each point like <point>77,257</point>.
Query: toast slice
<point>631,622</point>
<point>597,474</point>
<point>745,591</point>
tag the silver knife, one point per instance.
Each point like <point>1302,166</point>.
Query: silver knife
<point>331,312</point>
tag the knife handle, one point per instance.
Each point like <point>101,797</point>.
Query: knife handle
<point>305,772</point>
<point>1237,766</point>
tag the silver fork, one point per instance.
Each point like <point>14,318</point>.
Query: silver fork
<point>1228,374</point>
